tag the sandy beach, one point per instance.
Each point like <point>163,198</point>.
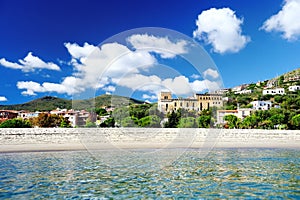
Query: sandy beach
<point>56,139</point>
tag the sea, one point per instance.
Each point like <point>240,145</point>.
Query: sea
<point>254,173</point>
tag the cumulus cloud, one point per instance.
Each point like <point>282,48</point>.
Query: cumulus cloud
<point>195,76</point>
<point>110,62</point>
<point>79,52</point>
<point>109,88</point>
<point>115,65</point>
<point>211,73</point>
<point>221,28</point>
<point>2,98</point>
<point>205,85</point>
<point>285,21</point>
<point>161,45</point>
<point>29,63</point>
<point>68,86</point>
<point>151,97</point>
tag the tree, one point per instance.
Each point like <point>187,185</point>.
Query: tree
<point>204,121</point>
<point>173,119</point>
<point>110,122</point>
<point>187,122</point>
<point>101,111</point>
<point>64,123</point>
<point>90,124</point>
<point>232,121</point>
<point>129,122</point>
<point>150,121</point>
<point>277,119</point>
<point>47,120</point>
<point>250,121</point>
<point>280,80</point>
<point>296,122</point>
<point>16,123</point>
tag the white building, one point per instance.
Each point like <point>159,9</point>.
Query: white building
<point>244,92</point>
<point>294,88</point>
<point>274,91</point>
<point>239,88</point>
<point>240,113</point>
<point>261,105</point>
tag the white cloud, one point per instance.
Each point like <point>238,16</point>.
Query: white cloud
<point>160,45</point>
<point>211,73</point>
<point>80,53</point>
<point>179,85</point>
<point>68,86</point>
<point>151,97</point>
<point>113,65</point>
<point>110,62</point>
<point>109,88</point>
<point>29,63</point>
<point>2,98</point>
<point>8,64</point>
<point>195,76</point>
<point>203,85</point>
<point>222,29</point>
<point>286,20</point>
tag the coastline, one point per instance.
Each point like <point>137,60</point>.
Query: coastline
<point>86,139</point>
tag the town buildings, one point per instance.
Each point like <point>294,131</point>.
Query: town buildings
<point>240,113</point>
<point>294,88</point>
<point>7,114</point>
<point>197,103</point>
<point>261,105</point>
<point>275,91</point>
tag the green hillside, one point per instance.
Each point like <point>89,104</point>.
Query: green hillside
<point>48,103</point>
<point>42,104</point>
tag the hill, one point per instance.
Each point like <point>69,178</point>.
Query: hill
<point>48,103</point>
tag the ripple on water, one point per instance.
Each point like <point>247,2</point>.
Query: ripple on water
<point>227,173</point>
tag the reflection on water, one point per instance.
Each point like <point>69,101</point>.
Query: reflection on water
<point>223,173</point>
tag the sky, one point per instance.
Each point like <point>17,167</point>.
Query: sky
<point>77,49</point>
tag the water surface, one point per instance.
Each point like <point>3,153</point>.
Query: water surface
<point>173,173</point>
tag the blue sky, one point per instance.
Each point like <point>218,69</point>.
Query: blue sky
<point>48,42</point>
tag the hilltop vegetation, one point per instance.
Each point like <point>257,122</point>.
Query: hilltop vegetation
<point>49,103</point>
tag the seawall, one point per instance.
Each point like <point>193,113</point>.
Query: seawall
<point>58,139</point>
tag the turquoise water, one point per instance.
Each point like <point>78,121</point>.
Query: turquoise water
<point>190,174</point>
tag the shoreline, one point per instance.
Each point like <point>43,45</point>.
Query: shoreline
<point>88,139</point>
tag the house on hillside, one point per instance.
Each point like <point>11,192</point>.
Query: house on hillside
<point>275,91</point>
<point>261,105</point>
<point>294,88</point>
<point>239,88</point>
<point>244,92</point>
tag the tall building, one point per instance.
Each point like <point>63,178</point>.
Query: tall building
<point>197,103</point>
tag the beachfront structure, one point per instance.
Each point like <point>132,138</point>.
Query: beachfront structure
<point>197,103</point>
<point>294,88</point>
<point>27,115</point>
<point>275,91</point>
<point>261,105</point>
<point>240,113</point>
<point>7,114</point>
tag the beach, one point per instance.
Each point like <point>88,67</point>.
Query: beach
<point>58,139</point>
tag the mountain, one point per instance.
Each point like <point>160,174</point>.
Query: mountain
<point>48,103</point>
